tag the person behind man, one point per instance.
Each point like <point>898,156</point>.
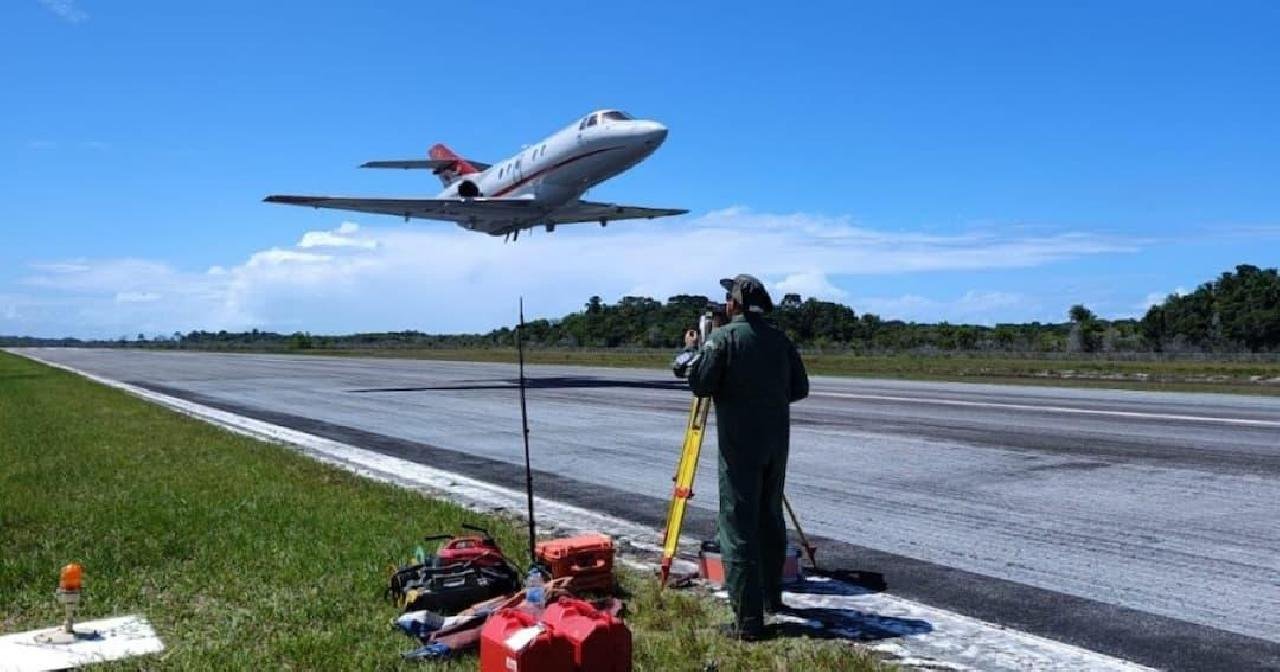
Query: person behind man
<point>752,372</point>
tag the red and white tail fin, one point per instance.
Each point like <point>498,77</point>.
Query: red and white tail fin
<point>457,168</point>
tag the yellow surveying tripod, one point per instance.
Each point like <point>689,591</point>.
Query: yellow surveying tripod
<point>687,468</point>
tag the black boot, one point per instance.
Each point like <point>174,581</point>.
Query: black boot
<point>748,634</point>
<point>775,606</point>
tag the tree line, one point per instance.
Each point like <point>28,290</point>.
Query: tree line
<point>1237,312</point>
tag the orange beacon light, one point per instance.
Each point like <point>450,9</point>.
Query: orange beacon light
<point>71,578</point>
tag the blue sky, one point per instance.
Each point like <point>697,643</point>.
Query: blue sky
<point>981,162</point>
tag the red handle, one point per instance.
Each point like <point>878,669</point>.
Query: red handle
<point>580,607</point>
<point>599,564</point>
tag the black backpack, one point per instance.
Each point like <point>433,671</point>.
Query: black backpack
<point>449,589</point>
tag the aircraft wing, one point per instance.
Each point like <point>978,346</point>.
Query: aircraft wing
<point>422,164</point>
<point>448,209</point>
<point>591,211</point>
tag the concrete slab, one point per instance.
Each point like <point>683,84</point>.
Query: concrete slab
<point>117,638</point>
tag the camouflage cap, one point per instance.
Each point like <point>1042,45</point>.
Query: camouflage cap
<point>749,291</point>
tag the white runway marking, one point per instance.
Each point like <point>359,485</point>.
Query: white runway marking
<point>1250,422</point>
<point>952,641</point>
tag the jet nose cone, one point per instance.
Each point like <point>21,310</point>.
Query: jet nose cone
<point>653,132</point>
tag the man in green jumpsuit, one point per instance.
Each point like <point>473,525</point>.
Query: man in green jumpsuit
<point>753,373</point>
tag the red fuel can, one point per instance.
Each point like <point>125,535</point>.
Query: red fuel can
<point>514,641</point>
<point>600,642</point>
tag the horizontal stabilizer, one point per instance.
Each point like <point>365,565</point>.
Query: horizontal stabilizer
<point>422,164</point>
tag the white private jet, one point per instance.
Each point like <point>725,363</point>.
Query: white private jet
<point>540,186</point>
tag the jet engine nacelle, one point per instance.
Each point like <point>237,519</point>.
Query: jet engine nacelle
<point>468,189</point>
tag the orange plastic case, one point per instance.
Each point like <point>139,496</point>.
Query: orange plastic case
<point>588,558</point>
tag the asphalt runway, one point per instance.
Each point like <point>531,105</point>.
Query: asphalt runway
<point>1145,525</point>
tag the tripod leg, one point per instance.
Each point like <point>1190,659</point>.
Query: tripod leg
<point>686,469</point>
<point>809,548</point>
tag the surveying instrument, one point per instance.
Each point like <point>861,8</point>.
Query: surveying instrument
<point>687,467</point>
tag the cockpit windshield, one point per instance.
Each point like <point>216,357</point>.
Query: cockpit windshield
<point>602,117</point>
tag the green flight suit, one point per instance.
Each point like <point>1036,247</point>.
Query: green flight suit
<point>753,373</point>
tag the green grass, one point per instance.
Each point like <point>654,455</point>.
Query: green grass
<point>1175,375</point>
<point>245,555</point>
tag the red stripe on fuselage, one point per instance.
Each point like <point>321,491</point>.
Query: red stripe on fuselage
<point>524,180</point>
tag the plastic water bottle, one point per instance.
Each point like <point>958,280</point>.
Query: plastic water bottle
<point>535,590</point>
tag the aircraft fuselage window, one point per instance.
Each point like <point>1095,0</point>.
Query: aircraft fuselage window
<point>616,115</point>
<point>591,121</point>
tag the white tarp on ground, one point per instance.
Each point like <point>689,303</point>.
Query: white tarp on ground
<point>117,638</point>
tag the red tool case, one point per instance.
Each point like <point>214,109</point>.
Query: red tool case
<point>587,558</point>
<point>481,548</point>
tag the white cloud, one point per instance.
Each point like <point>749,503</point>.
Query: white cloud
<point>808,284</point>
<point>99,277</point>
<point>69,266</point>
<point>1156,298</point>
<point>340,237</point>
<point>784,243</point>
<point>136,297</point>
<point>66,10</point>
<point>113,296</point>
<point>437,278</point>
<point>276,257</point>
<point>972,307</point>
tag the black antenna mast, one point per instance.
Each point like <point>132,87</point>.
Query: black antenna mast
<point>524,423</point>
